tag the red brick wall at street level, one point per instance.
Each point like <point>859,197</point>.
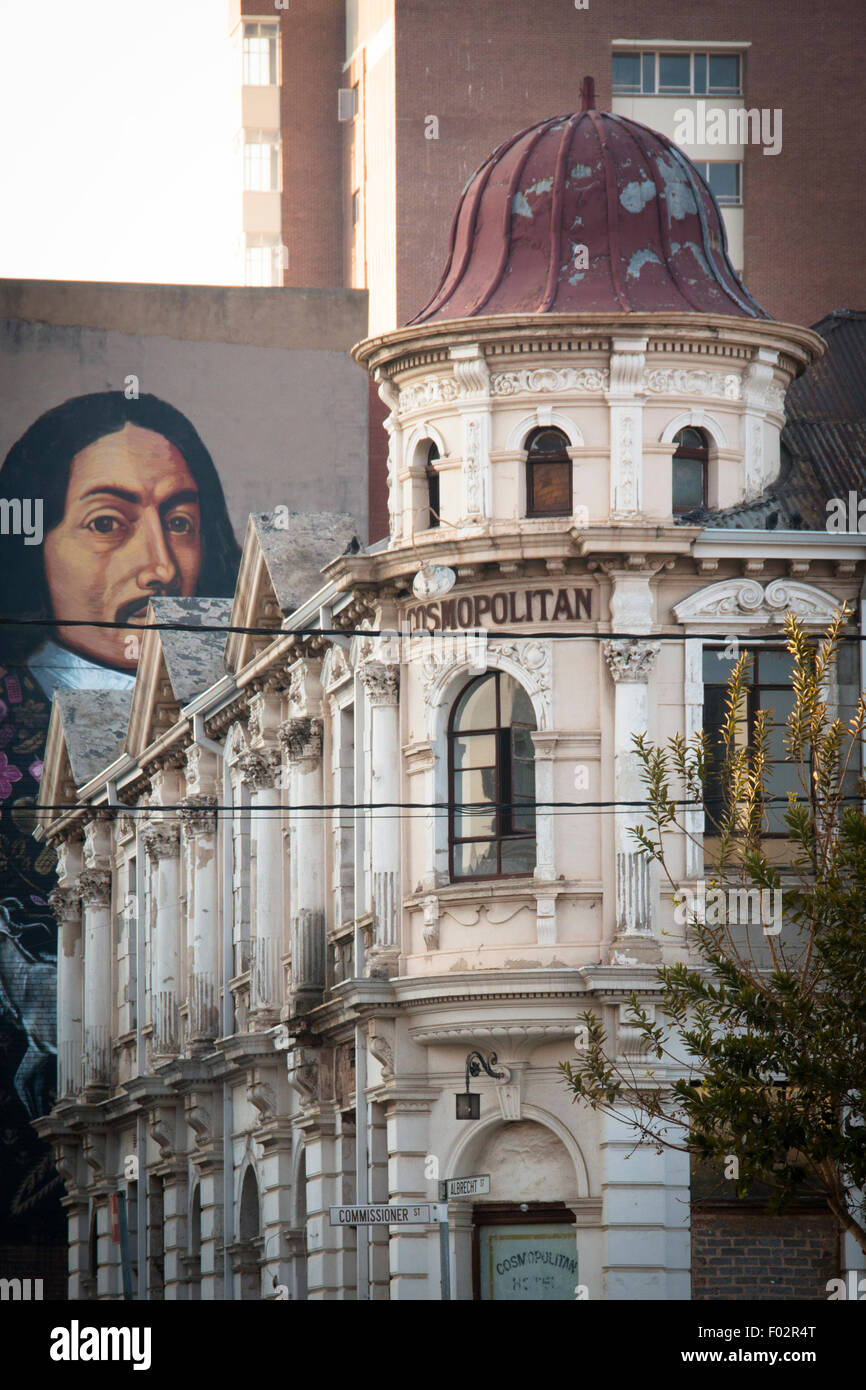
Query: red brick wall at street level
<point>47,1262</point>
<point>490,69</point>
<point>313,37</point>
<point>378,467</point>
<point>751,1254</point>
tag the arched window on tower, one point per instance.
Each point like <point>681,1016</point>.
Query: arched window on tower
<point>548,474</point>
<point>432,476</point>
<point>689,471</point>
<point>492,780</point>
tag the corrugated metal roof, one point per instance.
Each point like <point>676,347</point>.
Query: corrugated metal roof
<point>823,442</point>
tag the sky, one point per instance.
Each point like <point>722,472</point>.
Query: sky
<point>117,119</point>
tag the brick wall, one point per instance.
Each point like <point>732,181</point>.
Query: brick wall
<point>742,1254</point>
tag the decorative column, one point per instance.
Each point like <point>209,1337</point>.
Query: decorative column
<point>161,840</point>
<point>472,376</point>
<point>198,819</point>
<point>413,1249</point>
<point>625,403</point>
<point>95,888</point>
<point>261,769</point>
<point>65,903</point>
<point>301,736</point>
<point>630,662</point>
<point>389,397</point>
<point>757,386</point>
<point>382,684</point>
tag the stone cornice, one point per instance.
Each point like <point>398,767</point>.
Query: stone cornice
<point>707,336</point>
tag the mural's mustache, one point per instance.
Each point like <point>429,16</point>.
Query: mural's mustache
<point>137,605</point>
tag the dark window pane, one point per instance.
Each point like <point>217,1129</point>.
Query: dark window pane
<point>547,442</point>
<point>688,484</point>
<point>690,439</point>
<point>515,706</point>
<point>674,72</point>
<point>518,856</point>
<point>477,824</point>
<point>775,667</point>
<point>626,72</point>
<point>700,74</point>
<point>649,72</point>
<point>550,489</point>
<point>724,72</point>
<point>475,858</point>
<point>524,817</point>
<point>478,750</point>
<point>478,785</point>
<point>476,708</point>
<point>724,181</point>
<point>521,745</point>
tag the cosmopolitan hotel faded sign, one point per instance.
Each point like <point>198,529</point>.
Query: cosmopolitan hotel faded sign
<point>504,608</point>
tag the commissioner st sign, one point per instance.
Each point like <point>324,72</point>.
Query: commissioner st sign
<point>390,1214</point>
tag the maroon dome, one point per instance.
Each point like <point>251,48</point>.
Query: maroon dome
<point>655,241</point>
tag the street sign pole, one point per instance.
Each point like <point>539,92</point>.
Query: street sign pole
<point>444,1244</point>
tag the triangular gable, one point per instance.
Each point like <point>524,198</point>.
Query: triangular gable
<point>85,734</point>
<point>283,558</point>
<point>174,665</point>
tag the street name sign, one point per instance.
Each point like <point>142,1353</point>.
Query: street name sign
<point>390,1214</point>
<point>478,1186</point>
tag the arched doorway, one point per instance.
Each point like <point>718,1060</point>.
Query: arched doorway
<point>523,1235</point>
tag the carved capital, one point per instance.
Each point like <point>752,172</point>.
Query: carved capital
<point>65,903</point>
<point>161,840</point>
<point>629,659</point>
<point>260,768</point>
<point>94,886</point>
<point>198,814</point>
<point>381,682</point>
<point>302,740</point>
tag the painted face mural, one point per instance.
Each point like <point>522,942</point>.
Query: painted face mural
<point>130,507</point>
<point>131,529</point>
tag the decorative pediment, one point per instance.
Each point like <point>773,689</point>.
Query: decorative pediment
<point>744,604</point>
<point>335,668</point>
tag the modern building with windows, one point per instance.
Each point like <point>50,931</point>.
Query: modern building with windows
<point>386,107</point>
<point>371,851</point>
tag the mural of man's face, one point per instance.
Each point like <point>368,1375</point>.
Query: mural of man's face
<point>130,531</point>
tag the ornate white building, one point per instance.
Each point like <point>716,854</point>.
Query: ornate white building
<point>283,932</point>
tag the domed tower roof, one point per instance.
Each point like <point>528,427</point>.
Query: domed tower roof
<point>654,237</point>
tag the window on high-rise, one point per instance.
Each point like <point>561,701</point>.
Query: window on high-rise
<point>261,62</point>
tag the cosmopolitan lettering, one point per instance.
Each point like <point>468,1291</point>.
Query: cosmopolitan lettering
<point>504,608</point>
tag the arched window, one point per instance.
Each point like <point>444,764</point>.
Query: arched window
<point>432,476</point>
<point>195,1244</point>
<point>492,780</point>
<point>248,1225</point>
<point>689,471</point>
<point>548,474</point>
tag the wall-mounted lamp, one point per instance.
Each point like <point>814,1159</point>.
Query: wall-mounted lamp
<point>469,1102</point>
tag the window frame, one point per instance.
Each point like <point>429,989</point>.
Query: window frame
<point>432,479</point>
<point>687,452</point>
<point>269,31</point>
<point>562,458</point>
<point>650,85</point>
<point>754,703</point>
<point>503,784</point>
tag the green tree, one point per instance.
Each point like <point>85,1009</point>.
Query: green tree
<point>753,1044</point>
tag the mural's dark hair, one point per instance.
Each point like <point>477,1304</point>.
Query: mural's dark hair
<point>38,465</point>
